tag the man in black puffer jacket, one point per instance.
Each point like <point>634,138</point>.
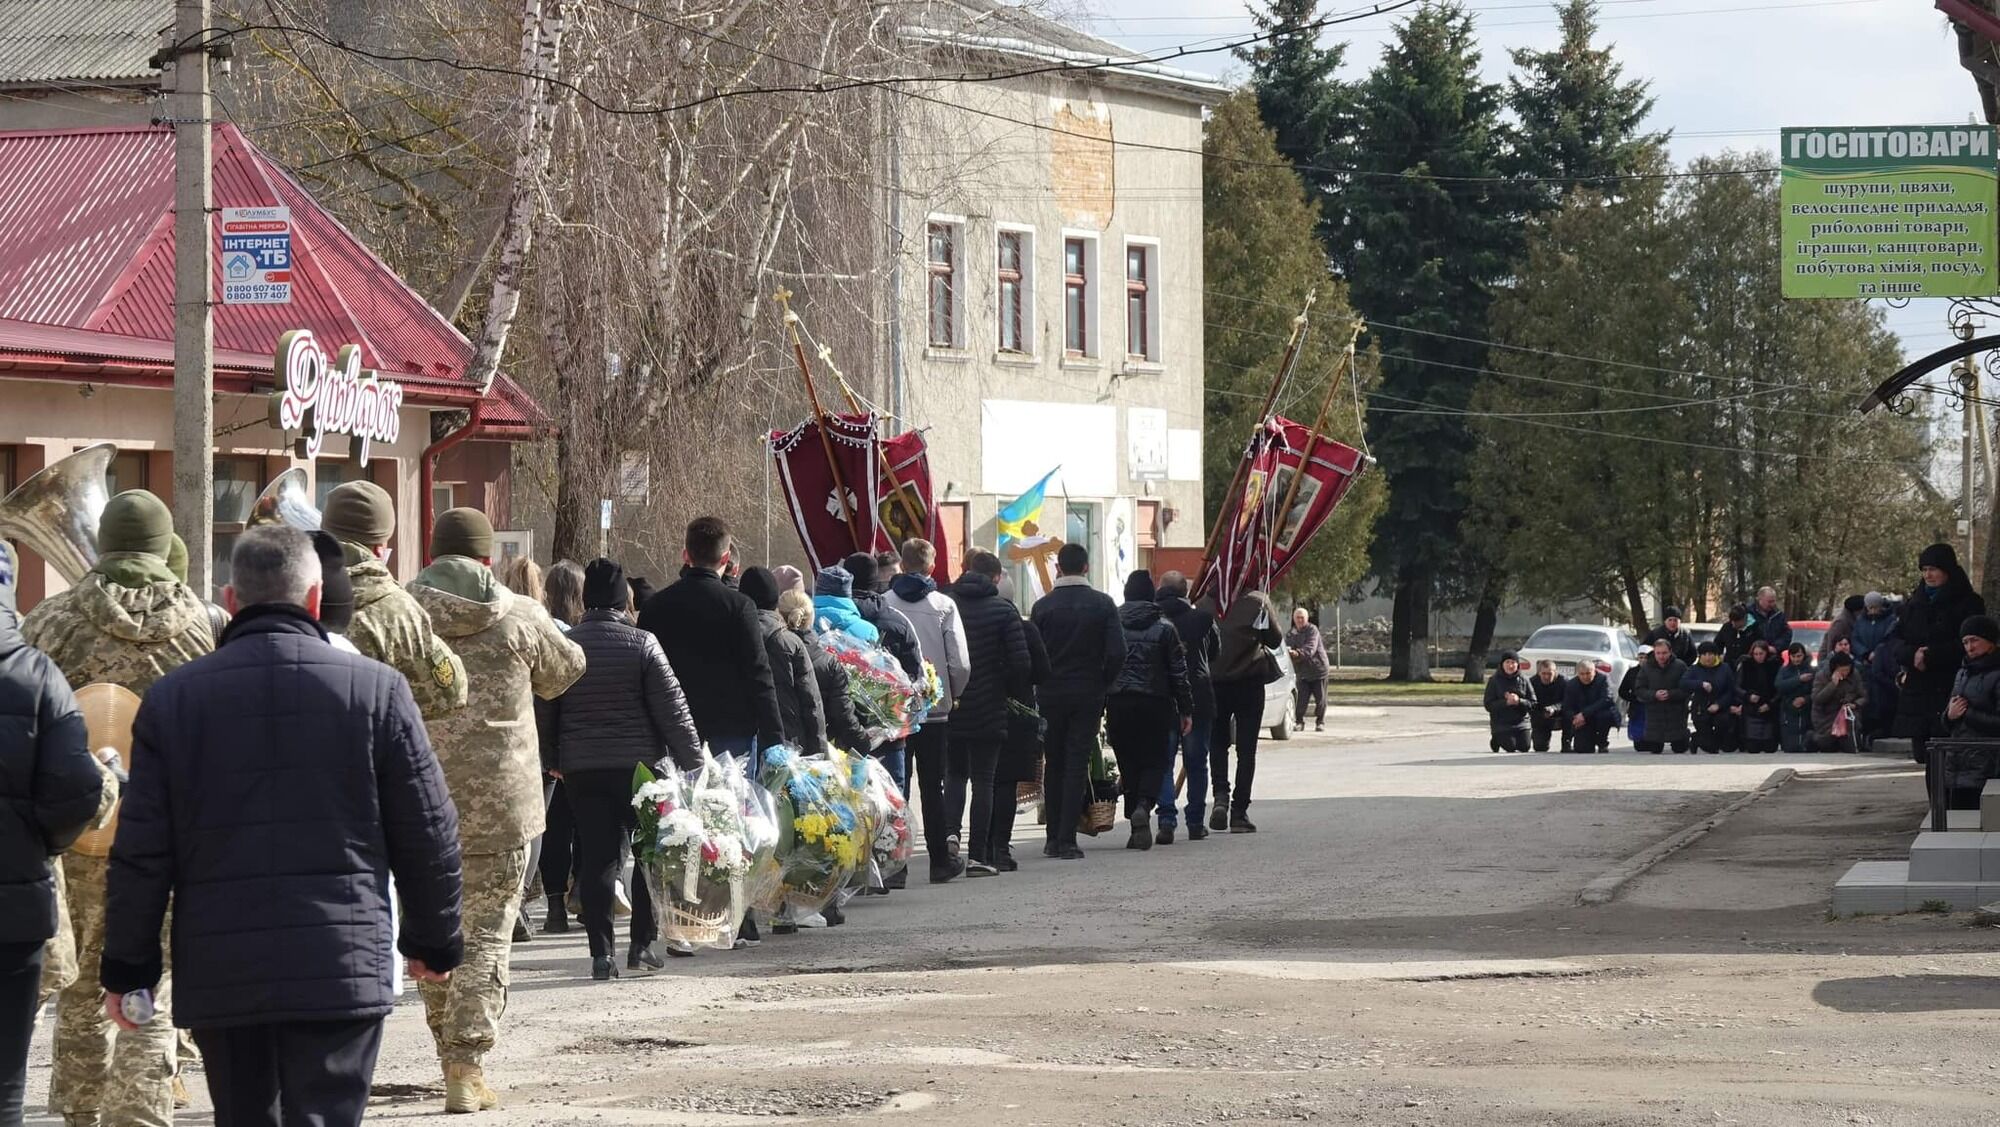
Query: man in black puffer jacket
<point>997,649</point>
<point>1150,701</point>
<point>277,784</point>
<point>625,710</point>
<point>49,791</point>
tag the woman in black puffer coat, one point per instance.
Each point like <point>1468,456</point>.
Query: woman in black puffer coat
<point>625,710</point>
<point>1151,695</point>
<point>1930,648</point>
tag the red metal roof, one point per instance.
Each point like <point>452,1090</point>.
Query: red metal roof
<point>87,245</point>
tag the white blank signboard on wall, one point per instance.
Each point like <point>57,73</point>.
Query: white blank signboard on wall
<point>1022,440</point>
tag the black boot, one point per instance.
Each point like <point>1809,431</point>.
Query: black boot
<point>558,919</point>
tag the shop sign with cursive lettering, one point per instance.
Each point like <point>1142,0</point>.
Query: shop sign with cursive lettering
<point>340,397</point>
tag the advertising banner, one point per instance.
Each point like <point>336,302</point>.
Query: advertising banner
<point>1889,211</point>
<point>256,255</point>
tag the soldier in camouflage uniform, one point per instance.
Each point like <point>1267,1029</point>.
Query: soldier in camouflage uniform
<point>59,955</point>
<point>492,766</point>
<point>388,625</point>
<point>127,622</point>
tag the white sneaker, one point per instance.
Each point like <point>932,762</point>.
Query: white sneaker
<point>621,905</point>
<point>814,920</point>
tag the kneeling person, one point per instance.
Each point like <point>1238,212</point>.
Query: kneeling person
<point>1588,711</point>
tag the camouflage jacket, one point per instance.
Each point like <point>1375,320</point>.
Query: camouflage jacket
<point>130,636</point>
<point>492,762</point>
<point>390,627</point>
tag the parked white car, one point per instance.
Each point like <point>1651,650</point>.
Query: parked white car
<point>1278,696</point>
<point>1612,647</point>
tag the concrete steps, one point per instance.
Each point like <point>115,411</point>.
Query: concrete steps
<point>1958,867</point>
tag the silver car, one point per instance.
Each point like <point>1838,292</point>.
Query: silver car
<point>1612,648</point>
<point>1278,697</point>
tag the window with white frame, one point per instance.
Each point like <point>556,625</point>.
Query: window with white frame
<point>1014,277</point>
<point>1142,301</point>
<point>1079,295</point>
<point>944,260</point>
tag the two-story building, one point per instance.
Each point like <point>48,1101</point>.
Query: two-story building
<point>1048,282</point>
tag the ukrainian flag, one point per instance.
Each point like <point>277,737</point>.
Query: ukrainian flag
<point>1027,507</point>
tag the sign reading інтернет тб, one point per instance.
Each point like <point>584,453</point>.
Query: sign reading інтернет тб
<point>1889,211</point>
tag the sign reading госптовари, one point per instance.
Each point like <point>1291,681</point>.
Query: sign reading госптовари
<point>1889,211</point>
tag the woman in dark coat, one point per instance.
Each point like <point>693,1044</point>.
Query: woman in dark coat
<point>799,704</point>
<point>1757,696</point>
<point>1930,650</point>
<point>1020,758</point>
<point>1795,689</point>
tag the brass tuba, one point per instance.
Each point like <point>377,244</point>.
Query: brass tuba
<point>56,511</point>
<point>285,501</point>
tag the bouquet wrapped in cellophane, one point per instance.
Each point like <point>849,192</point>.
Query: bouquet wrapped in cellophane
<point>891,843</point>
<point>759,808</point>
<point>887,701</point>
<point>694,853</point>
<point>821,836</point>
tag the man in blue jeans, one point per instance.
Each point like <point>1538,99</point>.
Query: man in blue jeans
<point>1200,638</point>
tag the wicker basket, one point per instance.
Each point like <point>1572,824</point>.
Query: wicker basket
<point>705,921</point>
<point>1098,817</point>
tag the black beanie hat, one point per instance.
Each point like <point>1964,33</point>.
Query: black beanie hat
<point>336,590</point>
<point>1139,587</point>
<point>1941,556</point>
<point>1855,604</point>
<point>1981,626</point>
<point>1708,648</point>
<point>863,568</point>
<point>761,585</point>
<point>604,586</point>
<point>1672,612</point>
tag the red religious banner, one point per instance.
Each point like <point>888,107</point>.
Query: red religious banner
<point>1260,543</point>
<point>906,506</point>
<point>887,484</point>
<point>828,474</point>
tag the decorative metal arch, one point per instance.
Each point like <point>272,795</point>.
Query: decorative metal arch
<point>1891,390</point>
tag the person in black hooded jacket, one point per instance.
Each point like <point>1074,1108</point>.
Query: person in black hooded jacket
<point>1149,700</point>
<point>50,791</point>
<point>997,649</point>
<point>1931,648</point>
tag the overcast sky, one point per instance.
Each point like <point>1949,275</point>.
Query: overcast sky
<point>1727,73</point>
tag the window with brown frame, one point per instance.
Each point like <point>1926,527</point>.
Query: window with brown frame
<point>941,254</point>
<point>1138,311</point>
<point>1076,297</point>
<point>1012,277</point>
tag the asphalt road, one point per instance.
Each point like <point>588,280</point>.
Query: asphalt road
<point>1399,944</point>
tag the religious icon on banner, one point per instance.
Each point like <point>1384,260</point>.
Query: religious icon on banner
<point>895,509</point>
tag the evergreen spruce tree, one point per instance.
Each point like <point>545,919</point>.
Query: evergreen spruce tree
<point>1301,97</point>
<point>1580,123</point>
<point>1435,227</point>
<point>1259,260</point>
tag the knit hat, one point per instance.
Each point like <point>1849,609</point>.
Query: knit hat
<point>467,532</point>
<point>604,586</point>
<point>1672,612</point>
<point>1855,604</point>
<point>1139,587</point>
<point>1708,648</point>
<point>641,590</point>
<point>336,590</point>
<point>359,512</point>
<point>862,567</point>
<point>761,586</point>
<point>177,557</point>
<point>1874,599</point>
<point>136,521</point>
<point>789,578</point>
<point>835,580</point>
<point>1981,626</point>
<point>1510,655</point>
<point>1940,556</point>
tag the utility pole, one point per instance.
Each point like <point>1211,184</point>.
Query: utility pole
<point>1968,387</point>
<point>194,287</point>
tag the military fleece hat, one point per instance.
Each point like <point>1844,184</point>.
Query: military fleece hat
<point>1981,626</point>
<point>136,521</point>
<point>467,532</point>
<point>177,558</point>
<point>359,512</point>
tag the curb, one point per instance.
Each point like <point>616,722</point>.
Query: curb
<point>1606,887</point>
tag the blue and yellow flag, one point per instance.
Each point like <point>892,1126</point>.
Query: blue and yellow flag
<point>1027,507</point>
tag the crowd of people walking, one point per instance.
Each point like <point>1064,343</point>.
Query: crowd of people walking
<point>472,735</point>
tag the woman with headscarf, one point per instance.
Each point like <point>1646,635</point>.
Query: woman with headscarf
<point>1151,695</point>
<point>1931,650</point>
<point>1757,697</point>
